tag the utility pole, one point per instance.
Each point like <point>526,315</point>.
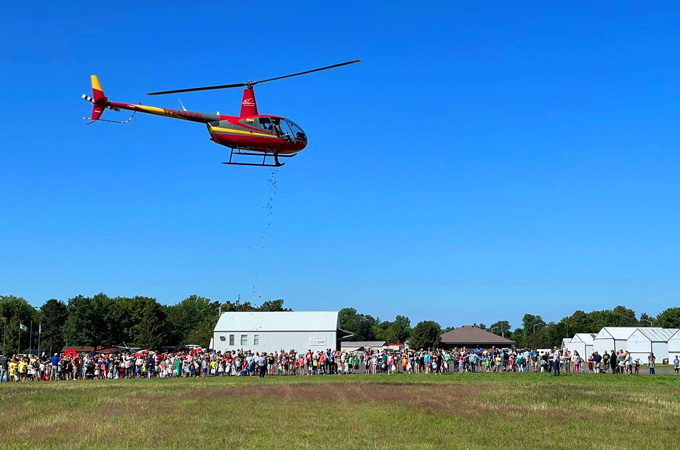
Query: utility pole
<point>30,338</point>
<point>535,325</point>
<point>39,333</point>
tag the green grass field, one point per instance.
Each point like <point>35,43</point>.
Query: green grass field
<point>357,411</point>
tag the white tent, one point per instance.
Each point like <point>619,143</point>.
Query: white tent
<point>565,343</point>
<point>644,341</point>
<point>612,338</point>
<point>673,347</point>
<point>582,343</point>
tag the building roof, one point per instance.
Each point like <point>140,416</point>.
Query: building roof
<point>468,334</point>
<point>658,334</point>
<point>586,338</point>
<point>615,333</point>
<point>278,321</point>
<point>365,344</point>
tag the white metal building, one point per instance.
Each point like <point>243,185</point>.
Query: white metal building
<point>582,343</point>
<point>612,338</point>
<point>644,341</point>
<point>565,343</point>
<point>278,330</point>
<point>673,347</point>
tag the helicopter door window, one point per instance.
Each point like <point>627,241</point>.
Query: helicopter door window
<point>283,130</point>
<point>266,124</point>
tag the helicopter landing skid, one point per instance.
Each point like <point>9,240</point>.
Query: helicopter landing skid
<point>264,156</point>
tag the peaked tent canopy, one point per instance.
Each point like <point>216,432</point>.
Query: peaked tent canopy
<point>612,338</point>
<point>645,341</point>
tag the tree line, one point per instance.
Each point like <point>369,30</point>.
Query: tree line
<point>102,320</point>
<point>144,322</point>
<point>533,332</point>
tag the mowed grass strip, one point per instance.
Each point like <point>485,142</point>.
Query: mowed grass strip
<point>357,411</point>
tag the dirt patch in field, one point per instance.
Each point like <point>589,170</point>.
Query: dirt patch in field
<point>436,398</point>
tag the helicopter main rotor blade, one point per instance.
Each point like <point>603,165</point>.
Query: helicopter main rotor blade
<point>252,83</point>
<point>206,88</point>
<point>307,71</point>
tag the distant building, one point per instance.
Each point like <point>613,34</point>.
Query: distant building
<point>611,338</point>
<point>674,346</point>
<point>644,341</point>
<point>565,343</point>
<point>360,346</point>
<point>583,344</point>
<point>278,330</point>
<point>473,337</point>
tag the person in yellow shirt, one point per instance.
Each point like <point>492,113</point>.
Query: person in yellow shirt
<point>13,374</point>
<point>22,369</point>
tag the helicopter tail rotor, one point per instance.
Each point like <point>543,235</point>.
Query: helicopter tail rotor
<point>99,103</point>
<point>99,100</point>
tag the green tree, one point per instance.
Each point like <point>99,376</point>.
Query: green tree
<point>539,339</point>
<point>399,331</point>
<point>186,316</point>
<point>203,333</point>
<point>273,305</point>
<point>12,306</point>
<point>668,318</point>
<point>150,331</point>
<point>359,324</point>
<point>500,328</point>
<point>623,317</point>
<point>11,345</point>
<point>54,315</point>
<point>580,322</point>
<point>425,335</point>
<point>90,321</point>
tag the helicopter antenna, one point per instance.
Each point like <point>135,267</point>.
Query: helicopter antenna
<point>250,84</point>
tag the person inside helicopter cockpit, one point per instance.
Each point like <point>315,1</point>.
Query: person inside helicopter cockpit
<point>279,132</point>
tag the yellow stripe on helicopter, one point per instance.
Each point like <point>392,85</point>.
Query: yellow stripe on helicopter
<point>249,133</point>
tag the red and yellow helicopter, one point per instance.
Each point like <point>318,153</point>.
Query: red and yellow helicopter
<point>249,134</point>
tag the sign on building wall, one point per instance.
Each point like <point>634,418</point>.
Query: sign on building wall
<point>317,341</point>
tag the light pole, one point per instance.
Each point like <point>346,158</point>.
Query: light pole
<point>502,331</point>
<point>651,324</point>
<point>535,325</point>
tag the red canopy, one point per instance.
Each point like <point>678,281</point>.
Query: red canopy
<point>70,352</point>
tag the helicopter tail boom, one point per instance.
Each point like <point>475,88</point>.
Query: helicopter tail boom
<point>100,102</point>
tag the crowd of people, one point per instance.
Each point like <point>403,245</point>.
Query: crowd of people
<point>145,364</point>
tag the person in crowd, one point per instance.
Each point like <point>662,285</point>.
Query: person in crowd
<point>576,358</point>
<point>556,362</point>
<point>651,361</point>
<point>597,361</point>
<point>4,369</point>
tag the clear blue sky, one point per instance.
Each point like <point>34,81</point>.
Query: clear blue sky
<point>485,160</point>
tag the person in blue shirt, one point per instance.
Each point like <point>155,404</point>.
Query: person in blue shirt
<point>54,361</point>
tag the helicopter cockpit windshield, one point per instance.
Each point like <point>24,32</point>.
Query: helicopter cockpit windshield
<point>298,134</point>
